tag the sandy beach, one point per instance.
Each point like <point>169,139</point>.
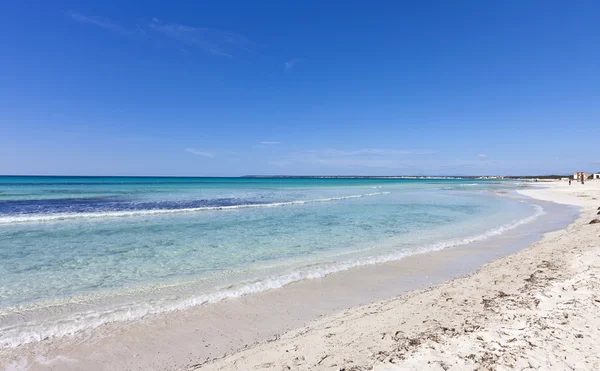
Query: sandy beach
<point>534,310</point>
<point>299,185</point>
<point>528,307</point>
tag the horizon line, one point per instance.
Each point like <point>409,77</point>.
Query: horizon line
<point>283,176</point>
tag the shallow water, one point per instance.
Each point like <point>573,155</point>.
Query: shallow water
<point>79,252</point>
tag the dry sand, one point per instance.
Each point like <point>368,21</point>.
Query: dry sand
<point>533,310</point>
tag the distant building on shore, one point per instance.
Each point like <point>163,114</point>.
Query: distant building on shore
<point>580,175</point>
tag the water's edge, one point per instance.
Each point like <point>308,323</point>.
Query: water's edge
<point>439,264</point>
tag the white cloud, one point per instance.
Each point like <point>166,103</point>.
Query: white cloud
<point>102,22</point>
<point>482,156</point>
<point>217,42</point>
<point>199,153</point>
<point>269,143</point>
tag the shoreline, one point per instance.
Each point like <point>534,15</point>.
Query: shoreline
<point>243,312</point>
<point>534,309</point>
<point>141,311</point>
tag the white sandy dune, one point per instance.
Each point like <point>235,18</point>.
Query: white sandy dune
<point>538,309</point>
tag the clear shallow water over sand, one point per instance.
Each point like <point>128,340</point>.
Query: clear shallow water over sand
<point>79,252</point>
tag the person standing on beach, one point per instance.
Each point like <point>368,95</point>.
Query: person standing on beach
<point>569,181</point>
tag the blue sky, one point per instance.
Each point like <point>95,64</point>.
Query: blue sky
<point>305,87</point>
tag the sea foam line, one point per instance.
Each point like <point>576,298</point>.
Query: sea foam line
<point>16,336</point>
<point>113,214</point>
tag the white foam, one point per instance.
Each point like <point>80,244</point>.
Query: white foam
<point>115,214</point>
<point>26,333</point>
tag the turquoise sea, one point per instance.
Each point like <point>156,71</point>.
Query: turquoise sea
<point>77,252</point>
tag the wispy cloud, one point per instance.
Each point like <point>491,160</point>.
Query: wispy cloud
<point>289,64</point>
<point>281,162</point>
<point>270,143</point>
<point>213,41</point>
<point>134,138</point>
<point>385,161</point>
<point>482,156</point>
<point>372,152</point>
<point>103,23</point>
<point>382,158</point>
<point>200,153</point>
<point>363,163</point>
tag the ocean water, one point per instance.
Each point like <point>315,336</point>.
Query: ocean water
<point>78,252</point>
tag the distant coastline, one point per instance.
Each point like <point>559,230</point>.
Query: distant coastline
<point>508,177</point>
<point>480,177</point>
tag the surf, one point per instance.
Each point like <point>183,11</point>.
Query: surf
<point>116,214</point>
<point>14,336</point>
